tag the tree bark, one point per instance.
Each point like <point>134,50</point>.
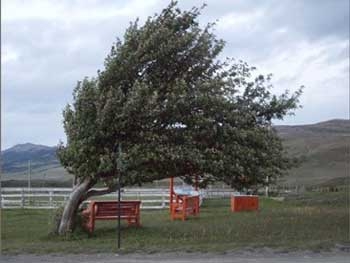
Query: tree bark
<point>71,207</point>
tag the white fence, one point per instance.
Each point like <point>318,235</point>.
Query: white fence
<point>47,198</point>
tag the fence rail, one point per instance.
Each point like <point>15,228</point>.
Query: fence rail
<point>152,198</point>
<point>48,198</point>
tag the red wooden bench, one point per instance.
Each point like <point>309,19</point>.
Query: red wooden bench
<point>109,210</point>
<point>184,206</point>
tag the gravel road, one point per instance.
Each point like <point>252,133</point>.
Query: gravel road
<point>241,257</point>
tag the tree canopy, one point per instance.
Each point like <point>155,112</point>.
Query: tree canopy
<point>165,105</point>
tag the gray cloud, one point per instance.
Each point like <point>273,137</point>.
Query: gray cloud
<point>48,46</point>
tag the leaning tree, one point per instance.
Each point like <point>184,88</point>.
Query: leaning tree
<point>164,105</point>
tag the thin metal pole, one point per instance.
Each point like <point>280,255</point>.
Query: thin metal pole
<point>120,168</point>
<point>119,212</point>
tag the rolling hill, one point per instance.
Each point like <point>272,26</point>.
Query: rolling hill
<point>40,159</point>
<point>16,158</point>
<point>323,148</point>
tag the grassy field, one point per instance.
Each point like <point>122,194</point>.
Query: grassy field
<point>315,221</point>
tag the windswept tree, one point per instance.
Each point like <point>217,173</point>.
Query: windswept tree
<point>164,105</point>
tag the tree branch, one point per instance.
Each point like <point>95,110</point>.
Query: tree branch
<point>95,192</point>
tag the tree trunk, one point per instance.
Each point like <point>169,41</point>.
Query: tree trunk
<point>76,197</point>
<point>81,191</point>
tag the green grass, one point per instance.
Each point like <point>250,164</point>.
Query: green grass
<point>316,221</point>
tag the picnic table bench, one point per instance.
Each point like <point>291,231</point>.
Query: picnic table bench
<point>184,206</point>
<point>109,210</point>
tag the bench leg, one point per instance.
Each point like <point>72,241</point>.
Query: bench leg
<point>172,214</point>
<point>87,224</point>
<point>90,225</point>
<point>131,222</point>
<point>92,228</point>
<point>138,221</point>
<point>134,222</point>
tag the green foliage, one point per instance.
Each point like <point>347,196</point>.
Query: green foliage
<point>176,110</point>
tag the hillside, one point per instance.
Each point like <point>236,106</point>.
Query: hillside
<point>16,158</point>
<point>323,148</point>
<point>44,164</point>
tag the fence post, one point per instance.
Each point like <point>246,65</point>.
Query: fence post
<point>22,198</point>
<point>50,198</point>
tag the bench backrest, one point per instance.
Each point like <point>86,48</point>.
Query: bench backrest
<point>111,208</point>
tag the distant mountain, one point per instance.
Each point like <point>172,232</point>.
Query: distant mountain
<point>16,158</point>
<point>323,147</point>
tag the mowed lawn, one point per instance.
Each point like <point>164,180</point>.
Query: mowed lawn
<point>316,221</point>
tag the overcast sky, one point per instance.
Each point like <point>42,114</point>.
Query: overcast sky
<point>47,46</point>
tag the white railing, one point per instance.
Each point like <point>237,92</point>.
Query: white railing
<point>47,198</point>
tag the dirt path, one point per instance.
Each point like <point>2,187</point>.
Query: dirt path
<point>241,257</point>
